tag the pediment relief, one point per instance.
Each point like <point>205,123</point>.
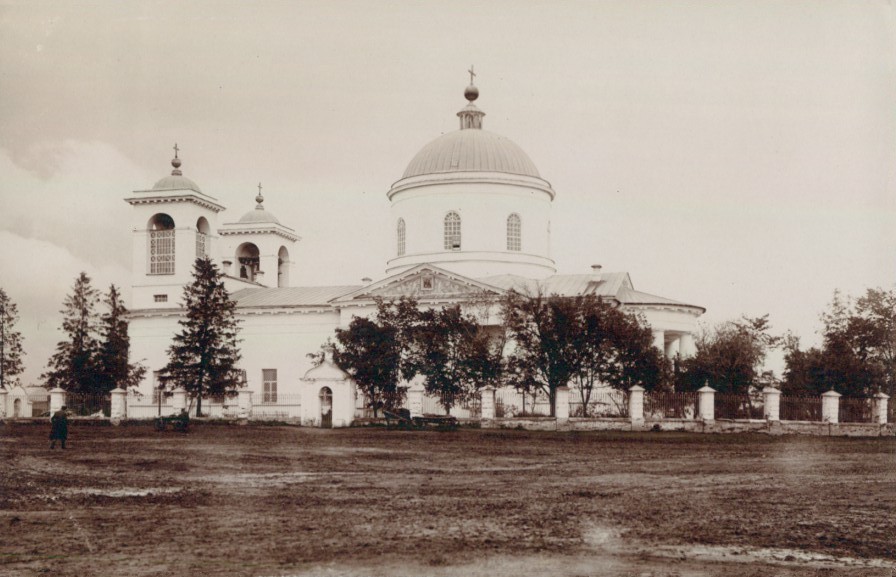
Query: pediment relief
<point>428,284</point>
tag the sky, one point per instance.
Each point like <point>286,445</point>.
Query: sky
<point>736,155</point>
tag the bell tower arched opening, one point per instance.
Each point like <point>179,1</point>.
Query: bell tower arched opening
<point>161,244</point>
<point>283,267</point>
<point>248,261</point>
<point>202,238</point>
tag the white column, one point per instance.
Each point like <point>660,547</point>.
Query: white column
<point>636,404</point>
<point>119,405</point>
<point>672,348</point>
<point>561,400</point>
<point>707,403</point>
<point>686,346</point>
<point>487,410</point>
<point>57,400</point>
<point>659,340</point>
<point>415,399</point>
<point>771,398</point>
<point>830,407</point>
<point>3,393</point>
<point>245,403</point>
<point>879,414</point>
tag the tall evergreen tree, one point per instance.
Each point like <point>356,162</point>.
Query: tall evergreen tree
<point>73,365</point>
<point>10,343</point>
<point>114,367</point>
<point>204,355</point>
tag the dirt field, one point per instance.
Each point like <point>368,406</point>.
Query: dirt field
<point>265,501</point>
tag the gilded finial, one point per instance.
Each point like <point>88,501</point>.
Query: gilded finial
<point>259,199</point>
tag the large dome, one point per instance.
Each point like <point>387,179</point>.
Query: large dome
<point>471,151</point>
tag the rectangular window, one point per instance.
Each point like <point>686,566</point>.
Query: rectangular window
<point>269,393</point>
<point>426,283</point>
<point>161,252</point>
<point>201,245</point>
<point>160,298</point>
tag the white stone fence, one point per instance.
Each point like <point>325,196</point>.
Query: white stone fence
<point>493,407</point>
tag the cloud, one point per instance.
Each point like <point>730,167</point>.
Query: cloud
<point>69,193</point>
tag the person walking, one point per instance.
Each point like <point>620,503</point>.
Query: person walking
<point>59,427</point>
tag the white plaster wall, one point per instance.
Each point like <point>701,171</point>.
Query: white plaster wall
<point>483,207</point>
<point>668,319</point>
<point>269,341</point>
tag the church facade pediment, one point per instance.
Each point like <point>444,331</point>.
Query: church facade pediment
<point>423,283</point>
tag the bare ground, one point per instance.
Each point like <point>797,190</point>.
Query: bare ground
<point>259,501</point>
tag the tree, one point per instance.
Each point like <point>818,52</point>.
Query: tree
<point>10,343</point>
<point>630,359</point>
<point>73,365</point>
<point>548,333</point>
<point>857,356</point>
<point>375,351</point>
<point>729,357</point>
<point>114,366</point>
<point>454,355</point>
<point>204,355</point>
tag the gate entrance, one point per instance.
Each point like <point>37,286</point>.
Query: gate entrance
<point>326,408</point>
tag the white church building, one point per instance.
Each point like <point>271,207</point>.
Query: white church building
<point>471,215</point>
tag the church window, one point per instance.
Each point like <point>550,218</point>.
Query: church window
<point>161,244</point>
<point>160,298</point>
<point>401,236</point>
<point>514,233</point>
<point>202,242</point>
<point>269,378</point>
<point>452,231</point>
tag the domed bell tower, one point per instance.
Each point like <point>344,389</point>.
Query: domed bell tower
<point>172,226</point>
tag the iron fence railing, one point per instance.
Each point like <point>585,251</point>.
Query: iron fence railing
<point>465,407</point>
<point>734,406</point>
<point>600,403</point>
<point>88,404</point>
<point>855,410</point>
<point>795,408</point>
<point>670,405</point>
<point>511,403</point>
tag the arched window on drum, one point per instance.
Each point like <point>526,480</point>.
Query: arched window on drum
<point>514,233</point>
<point>452,231</point>
<point>400,233</point>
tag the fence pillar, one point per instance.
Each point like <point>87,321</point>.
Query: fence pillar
<point>771,399</point>
<point>487,407</point>
<point>3,393</point>
<point>179,400</point>
<point>830,407</point>
<point>119,408</point>
<point>245,403</point>
<point>415,399</point>
<point>561,404</point>
<point>879,413</point>
<point>636,404</point>
<point>57,400</point>
<point>707,403</point>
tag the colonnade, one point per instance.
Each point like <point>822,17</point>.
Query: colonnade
<point>674,343</point>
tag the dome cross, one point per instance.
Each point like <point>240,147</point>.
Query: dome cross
<point>472,74</point>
